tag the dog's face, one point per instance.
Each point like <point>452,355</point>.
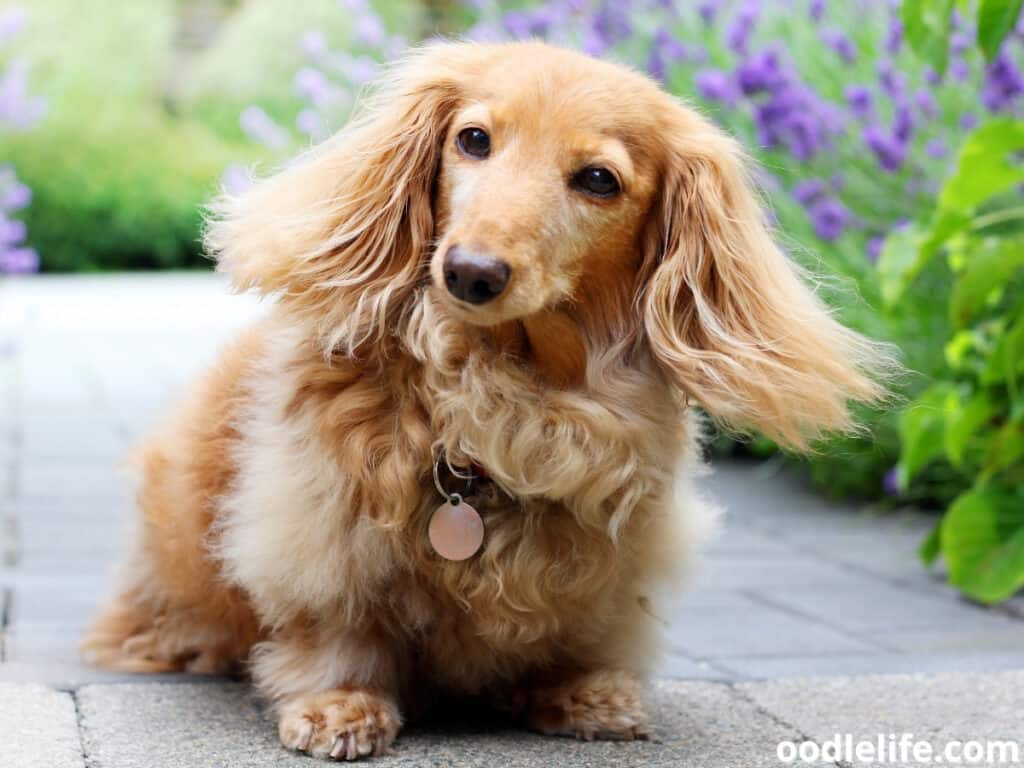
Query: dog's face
<point>542,191</point>
<point>524,185</point>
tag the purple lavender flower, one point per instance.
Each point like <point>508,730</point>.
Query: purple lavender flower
<point>715,85</point>
<point>925,101</point>
<point>312,124</point>
<point>314,44</point>
<point>931,76</point>
<point>858,97</point>
<point>594,43</point>
<point>19,261</point>
<point>893,81</point>
<point>968,121</point>
<point>612,21</point>
<point>17,108</point>
<point>890,152</point>
<point>737,36</point>
<point>841,44</point>
<point>891,482</point>
<point>959,70</point>
<point>236,179</point>
<point>808,191</point>
<point>1002,85</point>
<point>873,248</point>
<point>894,35</point>
<point>369,30</point>
<point>817,10</point>
<point>903,123</point>
<point>15,195</point>
<point>261,128</point>
<point>830,218</point>
<point>313,85</point>
<point>760,72</point>
<point>936,148</point>
<point>12,22</point>
<point>708,10</point>
<point>665,49</point>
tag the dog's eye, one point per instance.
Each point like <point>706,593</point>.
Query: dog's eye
<point>474,142</point>
<point>596,181</point>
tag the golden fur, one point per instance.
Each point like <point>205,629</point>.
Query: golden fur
<point>285,508</point>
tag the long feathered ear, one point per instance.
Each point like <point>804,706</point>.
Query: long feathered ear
<point>341,234</point>
<point>730,317</point>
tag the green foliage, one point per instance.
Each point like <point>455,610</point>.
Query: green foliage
<point>118,180</point>
<point>926,24</point>
<point>138,135</point>
<point>971,419</point>
<point>995,20</point>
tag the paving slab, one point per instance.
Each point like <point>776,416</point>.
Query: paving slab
<point>38,728</point>
<point>938,709</point>
<point>181,726</point>
<point>761,667</point>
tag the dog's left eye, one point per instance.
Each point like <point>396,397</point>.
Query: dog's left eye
<point>596,181</point>
<point>474,142</point>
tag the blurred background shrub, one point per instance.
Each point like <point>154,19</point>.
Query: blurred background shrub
<point>886,135</point>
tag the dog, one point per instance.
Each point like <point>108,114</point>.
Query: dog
<point>516,272</point>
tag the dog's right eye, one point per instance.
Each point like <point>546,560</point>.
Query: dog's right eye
<point>474,142</point>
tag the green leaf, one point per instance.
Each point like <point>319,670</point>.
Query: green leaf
<point>929,549</point>
<point>983,544</point>
<point>922,430</point>
<point>985,166</point>
<point>1005,450</point>
<point>926,27</point>
<point>899,262</point>
<point>988,270</point>
<point>995,20</point>
<point>964,422</point>
<point>1006,362</point>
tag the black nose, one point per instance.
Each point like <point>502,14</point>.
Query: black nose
<point>474,277</point>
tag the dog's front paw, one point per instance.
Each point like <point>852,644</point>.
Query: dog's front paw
<point>602,705</point>
<point>343,724</point>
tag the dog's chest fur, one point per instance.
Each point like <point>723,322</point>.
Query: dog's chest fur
<point>334,493</point>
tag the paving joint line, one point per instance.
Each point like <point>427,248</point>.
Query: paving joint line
<point>775,718</point>
<point>6,597</point>
<point>810,618</point>
<point>79,718</point>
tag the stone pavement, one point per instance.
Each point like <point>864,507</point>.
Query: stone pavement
<point>793,588</point>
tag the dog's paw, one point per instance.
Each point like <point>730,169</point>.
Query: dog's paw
<point>600,705</point>
<point>343,724</point>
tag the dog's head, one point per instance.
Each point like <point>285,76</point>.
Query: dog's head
<point>526,182</point>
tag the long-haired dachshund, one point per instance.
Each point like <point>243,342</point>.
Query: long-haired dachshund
<point>455,457</point>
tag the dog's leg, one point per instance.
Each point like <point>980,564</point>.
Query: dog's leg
<point>336,695</point>
<point>605,704</point>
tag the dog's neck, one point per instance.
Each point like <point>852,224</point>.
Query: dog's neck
<point>558,340</point>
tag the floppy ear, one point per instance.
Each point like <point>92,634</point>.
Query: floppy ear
<point>729,316</point>
<point>342,233</point>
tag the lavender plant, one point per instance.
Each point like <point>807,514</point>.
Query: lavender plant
<point>18,111</point>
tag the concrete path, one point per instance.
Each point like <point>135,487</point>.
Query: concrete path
<point>793,588</point>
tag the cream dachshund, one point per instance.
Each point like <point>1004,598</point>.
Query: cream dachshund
<point>454,459</point>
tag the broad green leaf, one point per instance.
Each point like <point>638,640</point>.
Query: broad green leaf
<point>1005,450</point>
<point>989,269</point>
<point>964,422</point>
<point>922,430</point>
<point>1006,362</point>
<point>986,165</point>
<point>929,549</point>
<point>959,349</point>
<point>899,262</point>
<point>926,27</point>
<point>983,543</point>
<point>995,20</point>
